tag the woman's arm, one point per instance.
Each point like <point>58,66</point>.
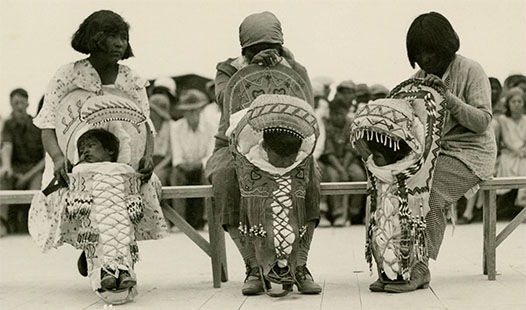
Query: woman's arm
<point>50,142</point>
<point>146,163</point>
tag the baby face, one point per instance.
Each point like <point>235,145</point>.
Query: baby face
<point>92,151</point>
<point>279,161</point>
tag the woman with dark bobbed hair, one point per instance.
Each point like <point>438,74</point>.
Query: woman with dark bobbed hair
<point>468,144</point>
<point>103,86</point>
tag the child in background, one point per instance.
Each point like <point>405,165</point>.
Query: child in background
<point>341,164</point>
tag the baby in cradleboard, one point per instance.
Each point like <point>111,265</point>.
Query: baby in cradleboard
<point>98,151</point>
<point>101,212</point>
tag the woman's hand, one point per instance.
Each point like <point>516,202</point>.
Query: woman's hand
<point>146,168</point>
<point>62,167</point>
<point>268,58</point>
<point>433,80</point>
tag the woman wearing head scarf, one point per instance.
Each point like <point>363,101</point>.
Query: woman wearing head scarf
<point>261,40</point>
<point>468,146</point>
<point>104,37</point>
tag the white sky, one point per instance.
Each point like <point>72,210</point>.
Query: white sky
<point>362,40</point>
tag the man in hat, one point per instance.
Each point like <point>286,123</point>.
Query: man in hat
<point>192,143</point>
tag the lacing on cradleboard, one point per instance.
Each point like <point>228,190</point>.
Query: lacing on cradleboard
<point>107,207</point>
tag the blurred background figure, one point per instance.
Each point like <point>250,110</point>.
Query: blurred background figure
<point>346,92</point>
<point>168,87</point>
<point>161,99</point>
<point>341,164</point>
<point>22,155</point>
<point>378,91</point>
<point>211,112</point>
<point>497,105</point>
<point>192,144</point>
<point>326,83</point>
<point>362,95</point>
<point>512,159</point>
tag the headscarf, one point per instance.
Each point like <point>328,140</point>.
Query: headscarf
<point>260,27</point>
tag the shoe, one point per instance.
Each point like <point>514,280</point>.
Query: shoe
<point>82,264</point>
<point>464,220</point>
<point>107,281</point>
<point>125,280</point>
<point>377,286</point>
<point>306,284</point>
<point>420,278</point>
<point>253,284</point>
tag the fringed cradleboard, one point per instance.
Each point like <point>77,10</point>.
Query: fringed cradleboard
<point>105,209</point>
<point>272,201</point>
<point>406,128</point>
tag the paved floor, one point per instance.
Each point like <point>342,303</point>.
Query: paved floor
<point>175,274</point>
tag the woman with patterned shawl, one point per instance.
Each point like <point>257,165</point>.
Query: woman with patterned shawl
<point>262,47</point>
<point>468,150</point>
<point>98,92</point>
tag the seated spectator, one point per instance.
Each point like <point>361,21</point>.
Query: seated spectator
<point>211,113</point>
<point>378,91</point>
<point>325,83</point>
<point>192,144</point>
<point>497,105</point>
<point>167,86</point>
<point>512,159</point>
<point>161,99</point>
<point>362,95</point>
<point>22,160</point>
<point>341,163</point>
<point>346,92</point>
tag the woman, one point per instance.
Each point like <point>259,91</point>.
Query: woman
<point>261,40</point>
<point>512,160</point>
<point>104,37</point>
<point>468,144</point>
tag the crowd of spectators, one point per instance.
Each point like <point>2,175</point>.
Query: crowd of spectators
<point>187,120</point>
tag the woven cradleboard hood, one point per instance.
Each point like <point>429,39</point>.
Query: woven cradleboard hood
<point>82,110</point>
<point>398,194</point>
<point>272,199</point>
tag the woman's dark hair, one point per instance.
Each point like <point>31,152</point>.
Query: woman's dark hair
<point>431,31</point>
<point>514,80</point>
<point>511,93</point>
<point>94,29</point>
<point>282,142</point>
<point>18,91</point>
<point>108,140</point>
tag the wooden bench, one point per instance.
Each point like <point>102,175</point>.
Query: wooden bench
<point>215,247</point>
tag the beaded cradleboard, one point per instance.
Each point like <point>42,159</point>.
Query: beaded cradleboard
<point>399,201</point>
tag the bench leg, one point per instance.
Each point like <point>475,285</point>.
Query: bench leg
<point>217,245</point>
<point>490,231</point>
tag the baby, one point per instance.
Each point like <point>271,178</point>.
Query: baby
<point>97,145</point>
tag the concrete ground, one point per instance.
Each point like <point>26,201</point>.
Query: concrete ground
<point>175,274</point>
